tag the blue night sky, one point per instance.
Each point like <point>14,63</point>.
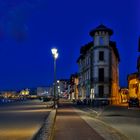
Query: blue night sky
<point>30,28</point>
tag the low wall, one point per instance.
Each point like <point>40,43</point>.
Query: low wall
<point>46,131</point>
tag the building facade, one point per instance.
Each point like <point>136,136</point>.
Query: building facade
<point>74,81</point>
<point>44,91</point>
<point>98,67</point>
<point>134,79</point>
<point>134,85</point>
<point>62,87</point>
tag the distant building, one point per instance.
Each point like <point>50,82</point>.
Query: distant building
<point>44,91</point>
<point>134,79</point>
<point>25,92</point>
<point>133,85</point>
<point>124,95</point>
<point>74,81</point>
<point>62,87</point>
<point>8,93</point>
<point>98,67</point>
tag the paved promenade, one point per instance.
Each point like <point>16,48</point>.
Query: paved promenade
<point>70,126</point>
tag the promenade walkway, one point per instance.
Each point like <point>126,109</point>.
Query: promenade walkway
<point>70,126</point>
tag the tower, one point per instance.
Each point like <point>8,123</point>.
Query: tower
<point>105,62</point>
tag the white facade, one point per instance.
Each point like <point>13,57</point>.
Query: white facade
<point>98,65</point>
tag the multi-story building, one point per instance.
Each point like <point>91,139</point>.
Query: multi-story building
<point>133,85</point>
<point>134,80</point>
<point>62,87</point>
<point>44,91</point>
<point>98,67</point>
<point>85,70</point>
<point>74,81</point>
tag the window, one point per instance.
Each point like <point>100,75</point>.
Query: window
<point>101,55</point>
<point>101,91</point>
<point>101,40</point>
<point>101,74</point>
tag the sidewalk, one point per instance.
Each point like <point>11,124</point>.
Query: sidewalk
<point>70,126</point>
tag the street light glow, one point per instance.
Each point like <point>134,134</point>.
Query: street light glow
<point>56,55</point>
<point>54,51</point>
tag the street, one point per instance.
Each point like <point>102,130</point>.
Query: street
<point>126,121</point>
<point>21,120</point>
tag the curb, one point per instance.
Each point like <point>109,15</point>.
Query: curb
<point>102,128</point>
<point>46,131</point>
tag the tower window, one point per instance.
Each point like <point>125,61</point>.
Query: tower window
<point>101,74</point>
<point>101,40</point>
<point>101,55</point>
<point>101,91</point>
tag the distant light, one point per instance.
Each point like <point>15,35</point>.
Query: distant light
<point>58,81</point>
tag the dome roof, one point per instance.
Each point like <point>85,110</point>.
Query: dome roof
<point>101,27</point>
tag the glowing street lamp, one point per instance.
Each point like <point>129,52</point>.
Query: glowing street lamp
<point>55,55</point>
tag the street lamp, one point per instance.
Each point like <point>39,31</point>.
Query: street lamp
<point>55,56</point>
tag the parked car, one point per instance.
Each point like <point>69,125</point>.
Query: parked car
<point>133,102</point>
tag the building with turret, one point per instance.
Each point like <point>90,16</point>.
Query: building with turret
<point>98,67</point>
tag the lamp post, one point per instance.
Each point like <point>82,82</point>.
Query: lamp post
<point>55,56</point>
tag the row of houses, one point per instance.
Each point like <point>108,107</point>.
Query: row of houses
<point>98,74</point>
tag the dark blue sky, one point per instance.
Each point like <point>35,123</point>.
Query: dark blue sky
<point>30,28</point>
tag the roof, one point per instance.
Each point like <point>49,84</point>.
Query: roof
<point>101,27</point>
<point>86,47</point>
<point>132,76</point>
<point>84,50</point>
<point>80,57</point>
<point>113,45</point>
<point>75,75</point>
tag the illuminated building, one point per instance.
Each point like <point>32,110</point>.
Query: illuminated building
<point>134,80</point>
<point>44,91</point>
<point>98,67</point>
<point>133,85</point>
<point>24,92</point>
<point>62,87</point>
<point>123,95</point>
<point>74,81</point>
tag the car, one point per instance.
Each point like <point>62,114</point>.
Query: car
<point>133,102</point>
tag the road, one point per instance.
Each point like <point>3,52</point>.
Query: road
<point>21,120</point>
<point>126,121</point>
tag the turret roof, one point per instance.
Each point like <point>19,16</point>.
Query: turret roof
<point>101,27</point>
